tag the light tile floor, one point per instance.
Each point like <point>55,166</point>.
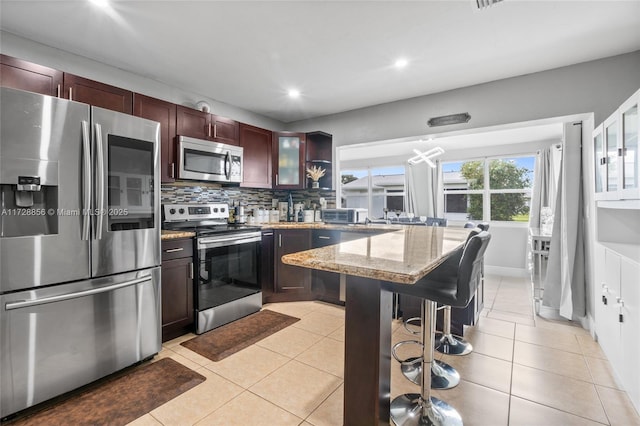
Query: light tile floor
<point>524,370</point>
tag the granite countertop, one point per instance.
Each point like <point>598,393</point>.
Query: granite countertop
<point>166,234</point>
<point>403,256</point>
<point>330,226</point>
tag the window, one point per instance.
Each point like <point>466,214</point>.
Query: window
<point>378,190</point>
<point>496,189</point>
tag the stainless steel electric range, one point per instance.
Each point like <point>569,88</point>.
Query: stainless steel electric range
<point>227,278</point>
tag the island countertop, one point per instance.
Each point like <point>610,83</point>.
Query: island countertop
<point>403,256</point>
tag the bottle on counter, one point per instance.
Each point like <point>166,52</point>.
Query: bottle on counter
<point>232,218</point>
<point>300,215</point>
<point>290,212</point>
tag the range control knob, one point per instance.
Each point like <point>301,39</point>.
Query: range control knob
<point>172,211</point>
<point>181,211</point>
<point>215,210</point>
<point>222,210</point>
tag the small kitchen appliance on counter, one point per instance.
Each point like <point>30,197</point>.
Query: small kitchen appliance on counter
<point>227,279</point>
<point>344,216</point>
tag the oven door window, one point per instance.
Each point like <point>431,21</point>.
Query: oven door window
<point>227,274</point>
<point>204,162</point>
<point>130,184</point>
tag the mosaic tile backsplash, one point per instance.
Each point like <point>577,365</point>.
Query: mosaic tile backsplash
<point>202,192</point>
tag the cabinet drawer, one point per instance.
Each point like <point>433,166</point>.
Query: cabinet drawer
<point>174,249</point>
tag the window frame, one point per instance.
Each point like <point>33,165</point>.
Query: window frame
<point>487,191</point>
<point>369,169</point>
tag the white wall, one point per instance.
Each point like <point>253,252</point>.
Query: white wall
<point>596,86</point>
<point>31,51</point>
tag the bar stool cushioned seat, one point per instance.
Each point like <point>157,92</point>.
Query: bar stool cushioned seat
<point>447,285</point>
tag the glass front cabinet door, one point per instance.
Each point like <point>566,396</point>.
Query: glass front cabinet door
<point>289,160</point>
<point>628,149</point>
<point>615,149</point>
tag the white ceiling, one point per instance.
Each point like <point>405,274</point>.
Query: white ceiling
<point>339,54</point>
<point>550,132</point>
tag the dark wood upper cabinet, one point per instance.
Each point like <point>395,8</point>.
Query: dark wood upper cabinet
<point>319,153</point>
<point>202,125</point>
<point>193,123</point>
<point>97,94</point>
<point>289,160</point>
<point>23,75</point>
<point>164,113</point>
<point>224,130</point>
<point>257,156</point>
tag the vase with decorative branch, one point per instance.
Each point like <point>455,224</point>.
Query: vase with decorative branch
<point>315,173</point>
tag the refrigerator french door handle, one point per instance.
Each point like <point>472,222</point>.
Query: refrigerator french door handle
<point>227,165</point>
<point>100,183</point>
<point>86,181</point>
<point>29,303</point>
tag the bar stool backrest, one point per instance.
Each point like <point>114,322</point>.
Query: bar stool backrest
<point>470,267</point>
<point>436,221</point>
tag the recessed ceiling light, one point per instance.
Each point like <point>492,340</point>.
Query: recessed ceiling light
<point>293,93</point>
<point>401,63</point>
<point>100,3</point>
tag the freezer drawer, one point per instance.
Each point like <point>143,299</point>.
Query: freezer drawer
<point>59,338</point>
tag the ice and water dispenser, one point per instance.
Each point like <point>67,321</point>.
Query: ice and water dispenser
<point>28,197</point>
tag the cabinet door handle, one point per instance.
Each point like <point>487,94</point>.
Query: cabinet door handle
<point>191,270</point>
<point>280,240</point>
<point>172,167</point>
<point>277,180</point>
<point>58,89</point>
<point>174,250</point>
<point>209,129</point>
<point>622,152</point>
<point>267,234</point>
<point>324,237</point>
<point>70,93</point>
<point>215,130</point>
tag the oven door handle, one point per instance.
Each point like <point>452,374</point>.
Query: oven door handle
<point>204,243</point>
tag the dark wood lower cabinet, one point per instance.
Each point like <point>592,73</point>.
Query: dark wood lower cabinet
<point>290,283</point>
<point>177,288</point>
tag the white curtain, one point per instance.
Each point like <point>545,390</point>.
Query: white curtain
<point>564,285</point>
<point>423,188</point>
<point>545,183</point>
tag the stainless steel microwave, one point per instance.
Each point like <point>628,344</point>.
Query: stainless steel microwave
<point>211,161</point>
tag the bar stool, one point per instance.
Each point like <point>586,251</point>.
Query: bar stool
<point>446,342</point>
<point>439,286</point>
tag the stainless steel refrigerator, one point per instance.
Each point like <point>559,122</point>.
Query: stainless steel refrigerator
<point>79,245</point>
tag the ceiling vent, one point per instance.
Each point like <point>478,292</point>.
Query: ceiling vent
<point>483,4</point>
<point>447,120</point>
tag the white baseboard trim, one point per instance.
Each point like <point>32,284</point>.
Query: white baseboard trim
<point>509,272</point>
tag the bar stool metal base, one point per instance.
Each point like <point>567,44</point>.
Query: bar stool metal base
<point>452,345</point>
<point>443,376</point>
<point>407,410</point>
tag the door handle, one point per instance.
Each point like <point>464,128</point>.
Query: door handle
<point>86,180</point>
<point>174,250</point>
<point>100,184</point>
<point>227,165</point>
<point>62,297</point>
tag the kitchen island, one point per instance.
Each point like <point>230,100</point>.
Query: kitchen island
<point>404,256</point>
